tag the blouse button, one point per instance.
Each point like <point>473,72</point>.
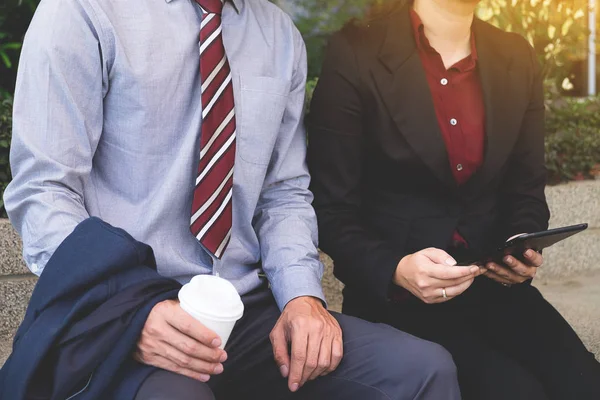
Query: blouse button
<point>453,122</point>
<point>444,81</point>
<point>459,167</point>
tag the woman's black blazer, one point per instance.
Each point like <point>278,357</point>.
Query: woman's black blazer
<point>380,173</point>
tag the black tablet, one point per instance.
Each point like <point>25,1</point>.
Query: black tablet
<point>536,241</point>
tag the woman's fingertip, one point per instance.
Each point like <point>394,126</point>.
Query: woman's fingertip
<point>529,253</point>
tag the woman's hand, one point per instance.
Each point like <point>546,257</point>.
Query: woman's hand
<point>515,271</point>
<point>431,273</point>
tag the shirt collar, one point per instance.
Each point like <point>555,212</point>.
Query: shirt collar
<point>237,4</point>
<point>422,41</point>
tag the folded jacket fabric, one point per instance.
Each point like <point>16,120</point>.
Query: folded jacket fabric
<point>84,318</point>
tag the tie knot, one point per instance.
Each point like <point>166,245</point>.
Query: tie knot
<point>211,6</point>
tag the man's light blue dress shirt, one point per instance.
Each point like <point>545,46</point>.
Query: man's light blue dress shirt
<point>107,122</point>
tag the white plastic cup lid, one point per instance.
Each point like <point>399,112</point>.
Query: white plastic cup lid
<point>213,297</point>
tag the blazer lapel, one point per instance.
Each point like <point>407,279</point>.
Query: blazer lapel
<point>501,126</point>
<point>403,87</point>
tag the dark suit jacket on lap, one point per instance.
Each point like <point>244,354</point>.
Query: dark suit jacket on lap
<point>381,177</point>
<point>84,319</point>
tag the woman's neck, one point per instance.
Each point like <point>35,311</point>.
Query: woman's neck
<point>448,25</point>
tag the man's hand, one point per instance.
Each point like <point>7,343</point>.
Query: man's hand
<point>515,271</point>
<point>430,273</point>
<point>315,337</point>
<point>175,341</point>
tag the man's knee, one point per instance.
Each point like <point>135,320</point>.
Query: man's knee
<point>435,361</point>
<point>425,360</point>
<point>410,367</point>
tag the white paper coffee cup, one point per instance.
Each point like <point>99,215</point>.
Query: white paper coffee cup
<point>214,302</point>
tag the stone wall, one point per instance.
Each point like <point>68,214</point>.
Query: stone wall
<point>16,283</point>
<point>570,204</point>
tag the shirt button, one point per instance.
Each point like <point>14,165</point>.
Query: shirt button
<point>453,122</point>
<point>444,81</point>
<point>459,167</point>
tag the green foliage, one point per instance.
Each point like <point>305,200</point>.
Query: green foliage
<point>311,84</point>
<point>5,135</point>
<point>15,16</point>
<point>573,155</point>
<point>317,19</point>
<point>572,113</point>
<point>573,140</point>
<point>556,28</point>
<point>8,47</point>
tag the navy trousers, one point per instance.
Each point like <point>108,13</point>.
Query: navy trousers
<point>379,362</point>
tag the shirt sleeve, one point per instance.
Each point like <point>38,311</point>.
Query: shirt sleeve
<point>285,221</point>
<point>57,123</point>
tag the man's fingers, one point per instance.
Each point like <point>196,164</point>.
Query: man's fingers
<point>280,350</point>
<point>163,363</point>
<point>185,361</point>
<point>451,273</point>
<point>193,355</point>
<point>337,353</point>
<point>186,324</point>
<point>191,347</point>
<point>315,346</point>
<point>324,360</point>
<point>438,256</point>
<point>299,349</point>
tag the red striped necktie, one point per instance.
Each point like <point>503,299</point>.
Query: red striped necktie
<point>212,204</point>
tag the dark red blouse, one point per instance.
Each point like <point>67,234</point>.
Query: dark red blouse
<point>458,101</point>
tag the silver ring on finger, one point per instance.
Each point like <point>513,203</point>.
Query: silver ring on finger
<point>444,294</point>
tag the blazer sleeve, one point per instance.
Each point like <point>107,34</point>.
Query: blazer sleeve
<point>336,153</point>
<point>523,202</point>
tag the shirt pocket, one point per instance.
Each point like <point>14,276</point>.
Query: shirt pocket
<point>259,117</point>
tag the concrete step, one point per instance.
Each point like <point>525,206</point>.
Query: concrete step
<point>578,300</point>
